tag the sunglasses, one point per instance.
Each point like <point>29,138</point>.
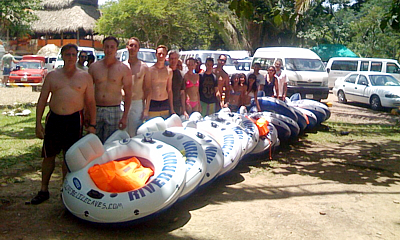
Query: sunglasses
<point>222,60</point>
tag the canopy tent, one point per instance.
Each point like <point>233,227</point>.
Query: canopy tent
<point>327,51</point>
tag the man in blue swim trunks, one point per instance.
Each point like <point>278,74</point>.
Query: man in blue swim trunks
<point>161,103</point>
<point>71,91</point>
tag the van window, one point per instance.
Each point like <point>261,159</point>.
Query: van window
<point>299,64</point>
<point>124,56</point>
<point>364,66</point>
<point>344,65</point>
<point>376,66</point>
<point>392,68</point>
<point>264,62</point>
<point>352,78</point>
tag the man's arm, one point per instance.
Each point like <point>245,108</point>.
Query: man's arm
<point>90,105</point>
<point>127,87</point>
<point>146,91</point>
<point>42,101</point>
<point>169,91</point>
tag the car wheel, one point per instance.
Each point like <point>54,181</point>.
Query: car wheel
<point>375,103</point>
<point>341,97</point>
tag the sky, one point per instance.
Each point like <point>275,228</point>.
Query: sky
<point>101,2</point>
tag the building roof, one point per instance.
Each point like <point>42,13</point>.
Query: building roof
<point>66,16</point>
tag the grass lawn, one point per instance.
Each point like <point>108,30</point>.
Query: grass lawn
<point>19,148</point>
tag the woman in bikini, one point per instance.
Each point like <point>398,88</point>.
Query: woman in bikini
<point>271,83</point>
<point>237,90</point>
<point>192,87</point>
<point>251,92</point>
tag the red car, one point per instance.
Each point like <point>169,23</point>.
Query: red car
<point>29,71</point>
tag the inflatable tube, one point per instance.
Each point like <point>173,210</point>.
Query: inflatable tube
<point>312,119</point>
<point>213,151</point>
<point>247,141</point>
<point>314,103</point>
<point>173,121</point>
<point>318,111</point>
<point>294,127</point>
<point>248,126</point>
<point>302,119</point>
<point>191,151</point>
<point>282,128</point>
<point>271,104</point>
<point>79,155</point>
<point>83,198</point>
<point>228,139</point>
<point>153,125</point>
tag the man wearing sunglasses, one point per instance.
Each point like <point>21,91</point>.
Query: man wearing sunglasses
<point>223,80</point>
<point>81,61</point>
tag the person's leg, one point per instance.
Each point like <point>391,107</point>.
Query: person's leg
<point>135,117</point>
<point>48,166</point>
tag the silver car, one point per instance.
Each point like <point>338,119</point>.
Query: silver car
<point>373,88</point>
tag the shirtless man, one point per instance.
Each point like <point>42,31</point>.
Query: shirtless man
<point>141,88</point>
<point>71,91</point>
<point>161,103</point>
<point>109,77</point>
<point>223,80</point>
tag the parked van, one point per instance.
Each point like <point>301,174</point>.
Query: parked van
<point>89,51</point>
<point>304,69</point>
<point>229,66</point>
<point>146,55</point>
<point>341,66</point>
<point>50,62</point>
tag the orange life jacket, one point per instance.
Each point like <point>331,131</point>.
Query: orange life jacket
<point>120,176</point>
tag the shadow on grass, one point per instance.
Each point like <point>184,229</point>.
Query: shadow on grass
<point>22,128</point>
<point>348,159</point>
<point>16,165</point>
<point>362,154</point>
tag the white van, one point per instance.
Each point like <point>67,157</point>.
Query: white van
<point>60,63</point>
<point>146,55</point>
<point>303,67</point>
<point>341,66</point>
<point>229,66</point>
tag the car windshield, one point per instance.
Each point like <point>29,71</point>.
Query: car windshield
<point>29,65</point>
<point>299,64</point>
<point>149,57</point>
<point>383,80</point>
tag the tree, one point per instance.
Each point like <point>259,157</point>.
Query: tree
<point>16,16</point>
<point>176,23</point>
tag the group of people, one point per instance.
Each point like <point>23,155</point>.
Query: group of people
<point>90,97</point>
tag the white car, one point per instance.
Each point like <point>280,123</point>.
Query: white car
<point>373,88</point>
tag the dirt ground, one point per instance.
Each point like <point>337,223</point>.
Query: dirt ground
<point>308,191</point>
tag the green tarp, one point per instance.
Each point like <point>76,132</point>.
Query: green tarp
<point>326,51</point>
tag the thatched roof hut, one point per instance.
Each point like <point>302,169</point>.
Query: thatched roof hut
<point>62,16</point>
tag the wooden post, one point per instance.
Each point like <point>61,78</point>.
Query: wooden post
<point>77,37</point>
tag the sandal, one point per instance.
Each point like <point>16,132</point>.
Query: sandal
<point>40,197</point>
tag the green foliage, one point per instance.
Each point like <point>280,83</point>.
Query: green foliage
<point>16,16</point>
<point>176,23</point>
